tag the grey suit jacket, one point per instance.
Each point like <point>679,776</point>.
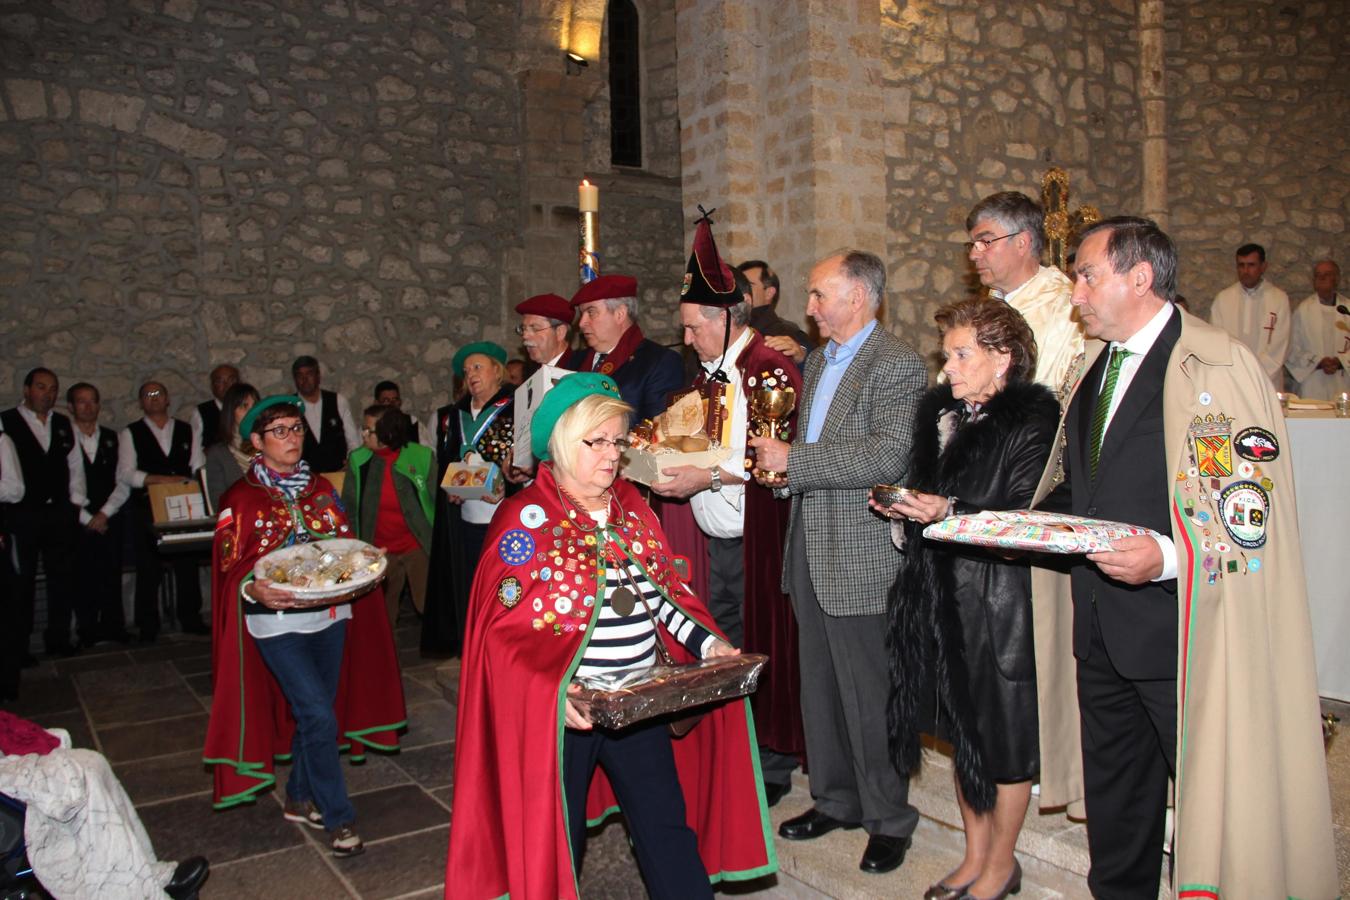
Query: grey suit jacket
<point>865,441</point>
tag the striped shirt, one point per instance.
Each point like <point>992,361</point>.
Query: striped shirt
<point>629,642</point>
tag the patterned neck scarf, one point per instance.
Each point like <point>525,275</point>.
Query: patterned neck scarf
<point>289,484</point>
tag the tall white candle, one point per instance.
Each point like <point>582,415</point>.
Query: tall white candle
<point>588,197</point>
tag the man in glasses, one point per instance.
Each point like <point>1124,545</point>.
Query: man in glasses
<point>1007,237</point>
<point>545,325</point>
<point>159,449</point>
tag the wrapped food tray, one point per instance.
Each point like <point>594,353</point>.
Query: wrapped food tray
<point>1029,529</point>
<point>363,576</point>
<point>618,699</point>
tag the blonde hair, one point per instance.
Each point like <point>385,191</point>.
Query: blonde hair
<point>582,417</point>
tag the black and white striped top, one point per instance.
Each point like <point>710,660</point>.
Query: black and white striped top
<point>629,642</point>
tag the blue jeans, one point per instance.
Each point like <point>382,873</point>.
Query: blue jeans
<point>307,667</point>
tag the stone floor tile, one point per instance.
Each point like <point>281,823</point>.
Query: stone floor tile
<point>380,770</point>
<point>39,697</point>
<point>74,721</point>
<point>165,777</point>
<point>299,873</point>
<point>122,743</point>
<point>443,796</point>
<point>431,766</point>
<point>429,723</point>
<point>415,691</point>
<point>402,865</point>
<point>193,665</point>
<point>91,663</point>
<point>200,685</point>
<point>143,706</point>
<point>188,826</point>
<point>96,686</point>
<point>392,811</point>
<point>609,870</point>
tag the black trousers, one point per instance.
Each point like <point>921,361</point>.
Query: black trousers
<point>726,586</point>
<point>1129,751</point>
<point>13,639</point>
<point>640,764</point>
<point>98,607</point>
<point>48,531</point>
<point>150,575</point>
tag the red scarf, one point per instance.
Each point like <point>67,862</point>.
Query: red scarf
<point>628,342</point>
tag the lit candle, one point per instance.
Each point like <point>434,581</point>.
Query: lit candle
<point>588,197</point>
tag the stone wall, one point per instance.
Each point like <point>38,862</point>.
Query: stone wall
<point>186,183</point>
<point>1259,137</point>
<point>984,98</point>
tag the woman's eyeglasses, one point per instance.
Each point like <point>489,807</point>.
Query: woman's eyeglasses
<point>280,431</point>
<point>603,444</point>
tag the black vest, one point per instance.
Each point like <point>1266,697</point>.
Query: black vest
<point>210,416</point>
<point>152,461</point>
<point>100,476</point>
<point>46,473</point>
<point>326,451</point>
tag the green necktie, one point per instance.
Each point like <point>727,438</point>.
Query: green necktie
<point>1118,356</point>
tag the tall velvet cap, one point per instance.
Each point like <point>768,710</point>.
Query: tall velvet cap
<point>487,348</point>
<point>606,287</point>
<point>550,306</point>
<point>708,281</point>
<point>251,417</point>
<point>569,391</point>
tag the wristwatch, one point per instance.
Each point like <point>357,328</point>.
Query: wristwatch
<point>716,479</point>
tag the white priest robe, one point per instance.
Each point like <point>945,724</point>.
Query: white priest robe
<point>1260,319</point>
<point>1319,331</point>
<point>1043,300</point>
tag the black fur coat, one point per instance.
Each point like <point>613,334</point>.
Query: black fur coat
<point>944,590</point>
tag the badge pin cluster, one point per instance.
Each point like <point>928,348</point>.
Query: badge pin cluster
<point>1231,514</point>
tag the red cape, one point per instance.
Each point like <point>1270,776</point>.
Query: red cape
<point>251,723</point>
<point>509,834</point>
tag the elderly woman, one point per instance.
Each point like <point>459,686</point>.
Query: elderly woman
<point>305,682</point>
<point>480,423</point>
<point>230,453</point>
<point>390,497</point>
<point>960,617</point>
<point>570,561</point>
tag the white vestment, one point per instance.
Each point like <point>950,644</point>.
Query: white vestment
<point>1260,319</point>
<point>1043,300</point>
<point>1319,331</point>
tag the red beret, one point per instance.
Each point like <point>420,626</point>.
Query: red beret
<point>550,306</point>
<point>606,287</point>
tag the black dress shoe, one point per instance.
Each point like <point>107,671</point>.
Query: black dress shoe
<point>884,853</point>
<point>811,824</point>
<point>775,792</point>
<point>188,878</point>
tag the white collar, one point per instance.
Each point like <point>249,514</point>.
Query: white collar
<point>1142,340</point>
<point>733,353</point>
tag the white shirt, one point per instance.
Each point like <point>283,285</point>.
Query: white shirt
<point>42,431</point>
<point>128,470</point>
<point>1319,331</point>
<point>11,476</point>
<point>195,420</point>
<point>314,421</point>
<point>88,444</point>
<point>1139,344</point>
<point>1258,318</point>
<point>721,514</point>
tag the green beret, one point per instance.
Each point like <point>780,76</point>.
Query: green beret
<point>569,390</point>
<point>250,417</point>
<point>487,348</point>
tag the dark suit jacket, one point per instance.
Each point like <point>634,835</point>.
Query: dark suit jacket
<point>648,378</point>
<point>1132,484</point>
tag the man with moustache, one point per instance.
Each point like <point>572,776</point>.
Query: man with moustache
<point>45,522</point>
<point>99,615</point>
<point>646,372</point>
<point>158,449</point>
<point>545,323</point>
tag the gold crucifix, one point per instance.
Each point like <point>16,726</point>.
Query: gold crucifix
<point>1060,224</point>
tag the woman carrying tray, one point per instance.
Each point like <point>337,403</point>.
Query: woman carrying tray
<point>960,616</point>
<point>567,566</point>
<point>288,680</point>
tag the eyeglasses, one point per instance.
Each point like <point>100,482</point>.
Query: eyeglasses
<point>280,431</point>
<point>155,393</point>
<point>531,329</point>
<point>983,243</point>
<point>600,445</point>
<point>367,430</point>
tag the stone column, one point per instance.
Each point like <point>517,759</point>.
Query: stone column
<point>781,114</point>
<point>1153,100</point>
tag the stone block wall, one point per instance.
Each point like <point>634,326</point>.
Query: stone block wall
<point>1259,139</point>
<point>188,183</point>
<point>986,97</point>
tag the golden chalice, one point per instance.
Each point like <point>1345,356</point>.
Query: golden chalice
<point>768,408</point>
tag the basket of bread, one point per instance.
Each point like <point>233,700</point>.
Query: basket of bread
<point>693,431</point>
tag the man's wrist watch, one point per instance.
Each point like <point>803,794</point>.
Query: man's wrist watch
<point>715,480</point>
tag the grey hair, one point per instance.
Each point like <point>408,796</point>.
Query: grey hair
<point>629,303</point>
<point>1132,240</point>
<point>1327,261</point>
<point>740,313</point>
<point>864,269</point>
<point>1015,211</point>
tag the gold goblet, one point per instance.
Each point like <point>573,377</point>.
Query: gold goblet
<point>768,408</point>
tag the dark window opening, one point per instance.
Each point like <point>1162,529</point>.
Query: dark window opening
<point>625,85</point>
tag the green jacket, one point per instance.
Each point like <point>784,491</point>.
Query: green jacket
<point>415,490</point>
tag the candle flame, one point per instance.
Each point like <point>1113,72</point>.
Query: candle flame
<point>585,183</point>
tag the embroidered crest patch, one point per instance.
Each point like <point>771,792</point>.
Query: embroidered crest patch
<point>516,547</point>
<point>1213,439</point>
<point>1256,444</point>
<point>509,592</point>
<point>1245,506</point>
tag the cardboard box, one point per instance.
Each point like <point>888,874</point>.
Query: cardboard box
<point>644,466</point>
<point>527,399</point>
<point>179,505</point>
<point>471,479</point>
